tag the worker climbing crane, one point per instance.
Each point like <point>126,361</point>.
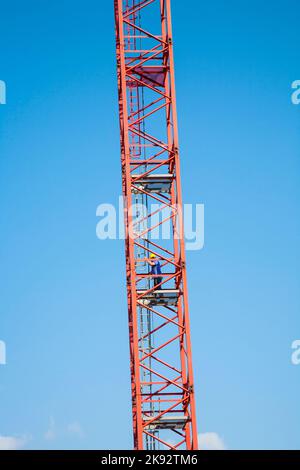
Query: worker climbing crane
<point>162,384</point>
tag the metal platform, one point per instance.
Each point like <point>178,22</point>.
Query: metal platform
<point>168,422</point>
<point>153,183</point>
<point>159,297</point>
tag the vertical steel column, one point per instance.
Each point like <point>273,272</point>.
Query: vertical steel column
<point>163,403</point>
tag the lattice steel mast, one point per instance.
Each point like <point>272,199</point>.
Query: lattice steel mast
<point>163,404</point>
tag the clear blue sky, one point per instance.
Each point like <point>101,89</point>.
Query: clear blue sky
<point>63,310</point>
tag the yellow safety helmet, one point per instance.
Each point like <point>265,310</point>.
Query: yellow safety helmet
<point>152,255</point>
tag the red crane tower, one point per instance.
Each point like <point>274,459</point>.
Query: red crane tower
<point>162,384</point>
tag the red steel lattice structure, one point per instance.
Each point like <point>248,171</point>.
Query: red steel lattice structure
<point>163,403</point>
